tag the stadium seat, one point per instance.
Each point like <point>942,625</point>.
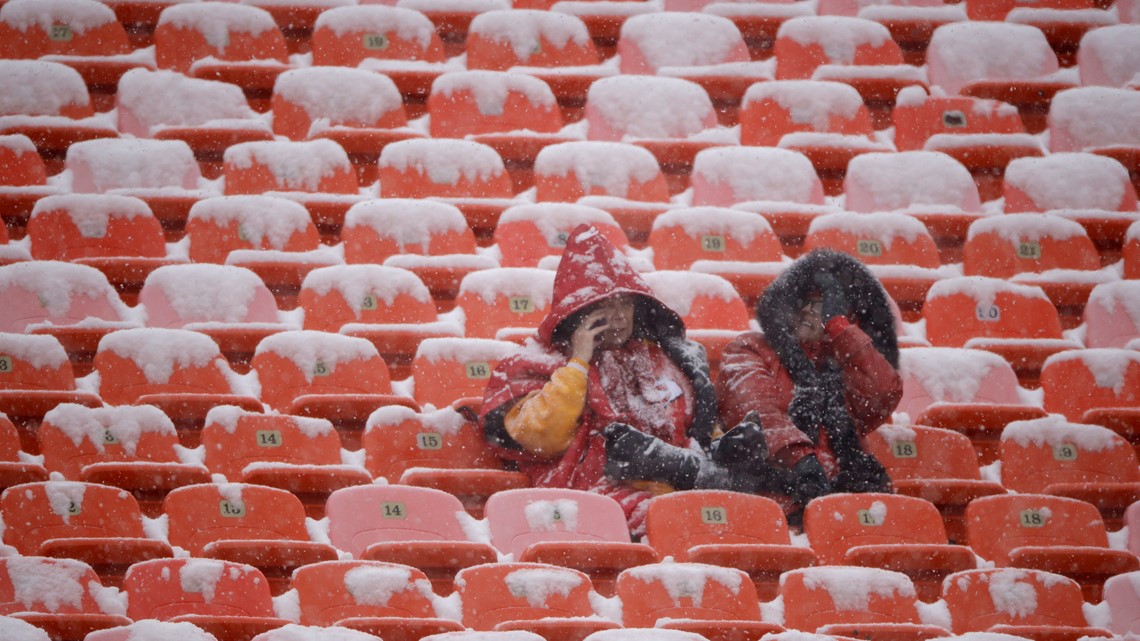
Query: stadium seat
<point>441,449</point>
<point>849,601</point>
<point>1086,462</point>
<point>346,594</point>
<point>727,529</point>
<point>21,163</point>
<point>171,629</point>
<point>416,526</point>
<point>509,299</point>
<point>934,464</point>
<point>324,375</point>
<point>1049,605</point>
<point>447,370</point>
<point>1123,599</point>
<point>568,528</point>
<point>1065,25</point>
<point>244,523</point>
<point>15,468</point>
<point>659,113</point>
<point>134,448</point>
<point>74,606</point>
<point>1109,320</point>
<point>1107,56</point>
<point>313,166</point>
<point>900,533</point>
<point>526,234</point>
<point>294,453</point>
<point>99,525</point>
<point>1095,385</point>
<point>208,115</point>
<point>1049,533</point>
<point>1018,322</point>
<point>1003,61</point>
<point>712,310</point>
<point>1100,120</point>
<point>230,600</point>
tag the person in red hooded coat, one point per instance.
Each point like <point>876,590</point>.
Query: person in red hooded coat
<point>610,370</point>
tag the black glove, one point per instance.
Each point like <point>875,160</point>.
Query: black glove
<point>861,472</point>
<point>807,409</point>
<point>632,455</point>
<point>834,300</point>
<point>808,481</point>
<point>742,447</point>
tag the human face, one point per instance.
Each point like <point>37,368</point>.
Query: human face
<point>809,322</point>
<point>619,313</point>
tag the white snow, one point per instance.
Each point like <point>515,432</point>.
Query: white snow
<point>545,516</point>
<point>217,20</point>
<point>150,100</point>
<point>58,284</point>
<point>407,24</point>
<point>594,163</point>
<point>1069,180</point>
<point>47,584</point>
<point>525,30</point>
<point>376,585</point>
<point>982,289</point>
<point>1054,431</point>
<point>532,283</point>
<point>851,588</point>
<point>491,89</point>
<point>949,374</point>
<point>294,632</point>
<point>446,421</point>
<point>537,585</point>
<point>80,15</point>
<point>688,580</point>
<point>39,88</point>
<point>13,629</point>
<point>356,283</point>
<point>680,39</point>
<point>158,351</point>
<point>92,212</point>
<point>556,220</point>
<point>753,173</point>
<point>153,630</point>
<point>295,165</point>
<point>38,351</point>
<point>201,576</point>
<point>125,424</point>
<point>703,221</point>
<point>647,107</point>
<point>444,161</point>
<point>808,102</point>
<point>1108,365</point>
<point>886,182</point>
<point>839,36</point>
<point>884,227</point>
<point>680,289</point>
<point>1089,117</point>
<point>204,292</point>
<point>308,349</point>
<point>1028,227</point>
<point>263,221</point>
<point>1110,55</point>
<point>409,222</point>
<point>125,163</point>
<point>962,52</point>
<point>343,96</point>
<point>434,350</point>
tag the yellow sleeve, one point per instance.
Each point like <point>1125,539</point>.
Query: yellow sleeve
<point>544,422</point>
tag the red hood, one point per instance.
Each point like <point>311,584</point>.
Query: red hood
<point>591,270</point>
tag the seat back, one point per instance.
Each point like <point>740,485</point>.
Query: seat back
<point>517,518</point>
<point>346,97</point>
<point>1039,453</point>
<point>76,589</point>
<point>724,176</point>
<point>178,295</point>
<point>960,308</point>
<point>919,452</point>
<point>501,39</point>
<point>346,36</point>
<point>34,362</point>
<point>804,43</point>
<point>448,369</point>
<point>917,116</point>
<point>997,525</point>
<point>1086,117</point>
<point>1067,180</point>
<point>464,103</point>
<point>567,171</point>
<point>186,102</point>
<point>685,591</point>
<point>139,361</point>
<point>397,438</point>
<point>525,234</point>
<point>9,440</point>
<point>819,596</point>
<point>52,89</point>
<point>43,291</point>
<point>954,375</point>
<point>1076,381</point>
<point>292,364</point>
<point>1111,320</point>
<point>67,227</point>
<point>226,31</point>
<point>332,591</point>
<point>365,514</point>
<point>421,168</point>
<point>98,166</point>
<point>980,599</point>
<point>678,521</point>
<point>372,294</point>
<point>218,226</point>
<point>909,180</point>
<point>1099,60</point>
<point>704,301</point>
<point>647,42</point>
<point>771,110</point>
<point>375,230</point>
<point>201,514</point>
<point>991,50</point>
<point>1000,9</point>
<point>234,438</point>
<point>36,512</point>
<point>508,297</point>
<point>20,163</point>
<point>311,166</point>
<point>74,436</point>
<point>647,107</point>
<point>1002,246</point>
<point>680,237</point>
<point>1122,594</point>
<point>496,592</point>
<point>166,588</point>
<point>884,238</point>
<point>32,29</point>
<point>838,522</point>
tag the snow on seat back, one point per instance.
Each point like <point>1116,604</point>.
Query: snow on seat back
<point>130,163</point>
<point>845,595</point>
<point>770,110</point>
<point>1112,315</point>
<point>1110,56</point>
<point>954,375</point>
<point>909,180</point>
<point>149,101</point>
<point>651,41</point>
<point>448,369</point>
<point>806,42</point>
<point>373,294</point>
<point>633,106</point>
<point>1051,451</point>
<point>189,32</point>
<point>70,226</point>
<point>34,362</point>
<point>964,52</point>
<point>1085,118</point>
<point>58,293</point>
<point>375,230</point>
<point>683,236</point>
<point>504,298</point>
<point>153,630</point>
<point>656,592</point>
<point>962,308</point>
<point>879,238</point>
<point>1003,246</point>
<point>525,234</point>
<point>37,28</point>
<point>218,226</point>
<point>73,436</point>
<point>296,363</point>
<point>704,301</point>
<point>442,168</point>
<point>570,170</point>
<point>36,584</point>
<point>20,163</point>
<point>1075,180</point>
<point>1080,380</point>
<point>346,36</point>
<point>314,166</point>
<point>312,98</point>
<point>474,102</point>
<point>724,176</point>
<point>179,295</point>
<point>42,88</point>
<point>499,40</point>
<point>20,630</point>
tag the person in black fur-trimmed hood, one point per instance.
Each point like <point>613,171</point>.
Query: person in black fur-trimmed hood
<point>821,376</point>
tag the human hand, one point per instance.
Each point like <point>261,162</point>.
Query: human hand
<point>585,337</point>
<point>834,300</point>
<point>809,480</point>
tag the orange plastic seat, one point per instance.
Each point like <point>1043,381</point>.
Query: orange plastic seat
<point>683,236</point>
<point>1096,60</point>
<point>346,36</point>
<point>135,448</point>
<point>801,45</point>
<point>1079,382</point>
<point>14,469</point>
<point>1107,316</point>
<point>447,370</point>
<point>1030,183</point>
<point>314,166</point>
<point>182,629</point>
<point>900,533</point>
<point>78,292</point>
<point>68,619</point>
<point>230,600</point>
<point>568,528</point>
<point>845,600</point>
<point>20,162</point>
<point>526,234</point>
<point>727,529</point>
<point>294,453</point>
<point>713,312</point>
<point>504,299</point>
<point>416,526</point>
<point>1049,533</point>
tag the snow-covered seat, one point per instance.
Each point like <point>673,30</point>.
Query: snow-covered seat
<point>21,163</point>
<point>909,21</point>
<point>1109,56</point>
<point>165,629</point>
<point>526,234</point>
<point>1050,604</point>
<point>1102,120</point>
<point>209,115</point>
<point>840,599</point>
<point>931,186</point>
<point>683,236</point>
<point>603,19</point>
<point>1122,595</point>
<point>296,18</point>
<point>1000,60</point>
<point>31,589</point>
<point>673,118</point>
<point>54,293</point>
<point>447,370</point>
<point>314,166</point>
<point>713,311</point>
<point>512,300</point>
<point>1100,379</point>
<point>1110,317</point>
<point>1064,26</point>
<point>465,173</point>
<point>511,595</point>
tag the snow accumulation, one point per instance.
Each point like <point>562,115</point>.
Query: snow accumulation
<point>1055,430</point>
<point>13,629</point>
<point>217,20</point>
<point>728,175</point>
<point>92,212</point>
<point>555,221</point>
<point>1109,366</point>
<point>408,25</point>
<point>150,100</point>
<point>295,165</point>
<point>443,161</point>
<point>882,226</point>
<point>263,221</point>
<point>126,424</point>
<point>703,221</point>
<point>342,95</point>
<point>491,89</point>
<point>58,285</point>
<point>40,88</point>
<point>688,580</point>
<point>851,588</point>
<point>1110,55</point>
<point>888,182</point>
<point>839,36</point>
<point>526,29</point>
<point>434,350</point>
<point>445,420</point>
<point>680,289</point>
<point>309,348</point>
<point>410,223</point>
<point>535,284</point>
<point>1019,228</point>
<point>205,292</point>
<point>678,39</point>
<point>80,15</point>
<point>356,283</point>
<point>963,52</point>
<point>158,352</point>
<point>1089,117</point>
<point>647,107</point>
<point>1070,181</point>
<point>612,166</point>
<point>538,584</point>
<point>294,632</point>
<point>131,163</point>
<point>39,352</point>
<point>948,374</point>
<point>808,102</point>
